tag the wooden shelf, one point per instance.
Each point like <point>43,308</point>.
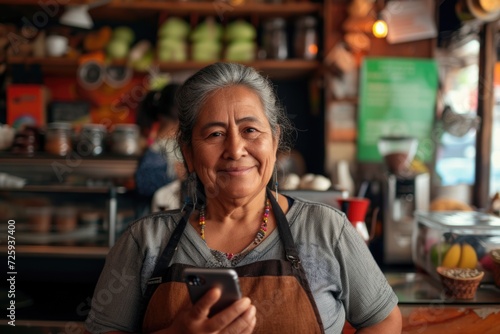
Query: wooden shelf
<point>276,69</point>
<point>217,7</point>
<point>65,189</point>
<point>99,167</point>
<point>36,2</point>
<point>62,251</point>
<point>133,10</point>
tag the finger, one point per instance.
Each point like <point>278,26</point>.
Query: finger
<point>243,324</point>
<point>202,307</point>
<point>228,315</point>
<point>247,322</point>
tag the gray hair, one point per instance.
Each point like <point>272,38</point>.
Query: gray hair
<point>199,87</point>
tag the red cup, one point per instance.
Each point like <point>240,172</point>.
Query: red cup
<point>355,208</point>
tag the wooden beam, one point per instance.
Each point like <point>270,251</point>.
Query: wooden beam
<point>487,58</point>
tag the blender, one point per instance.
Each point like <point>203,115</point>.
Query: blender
<point>398,153</point>
<point>405,192</point>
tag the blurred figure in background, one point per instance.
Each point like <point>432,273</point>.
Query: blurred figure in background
<point>171,196</point>
<point>159,165</point>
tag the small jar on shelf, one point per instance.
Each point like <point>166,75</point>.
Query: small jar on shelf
<point>58,138</point>
<point>275,39</point>
<point>91,140</point>
<point>26,141</point>
<point>306,38</point>
<point>65,219</point>
<point>125,140</point>
<point>39,219</point>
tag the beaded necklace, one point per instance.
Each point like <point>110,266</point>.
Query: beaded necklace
<point>261,233</point>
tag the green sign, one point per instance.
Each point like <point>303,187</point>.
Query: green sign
<point>397,98</point>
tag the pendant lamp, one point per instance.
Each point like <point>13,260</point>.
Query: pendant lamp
<point>78,15</point>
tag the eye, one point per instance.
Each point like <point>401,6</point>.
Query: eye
<point>251,133</point>
<point>215,134</point>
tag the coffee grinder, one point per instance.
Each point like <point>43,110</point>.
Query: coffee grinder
<point>404,191</point>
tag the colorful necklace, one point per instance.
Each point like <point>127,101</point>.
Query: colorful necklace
<point>261,233</point>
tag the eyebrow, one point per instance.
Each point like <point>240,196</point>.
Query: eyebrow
<point>238,121</point>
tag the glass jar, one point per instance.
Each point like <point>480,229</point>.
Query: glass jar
<point>58,138</point>
<point>65,219</point>
<point>125,139</point>
<point>91,140</point>
<point>306,38</point>
<point>24,143</point>
<point>27,140</point>
<point>39,219</point>
<point>275,39</point>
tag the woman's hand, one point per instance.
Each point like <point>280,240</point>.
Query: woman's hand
<point>239,318</point>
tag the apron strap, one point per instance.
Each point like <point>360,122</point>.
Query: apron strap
<point>165,257</point>
<point>291,253</point>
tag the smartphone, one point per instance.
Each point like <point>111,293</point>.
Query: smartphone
<point>200,280</point>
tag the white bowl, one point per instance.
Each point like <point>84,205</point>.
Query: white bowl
<point>56,45</point>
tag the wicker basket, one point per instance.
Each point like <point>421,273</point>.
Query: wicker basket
<point>495,256</point>
<point>459,288</point>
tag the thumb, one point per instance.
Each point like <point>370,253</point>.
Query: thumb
<point>202,307</point>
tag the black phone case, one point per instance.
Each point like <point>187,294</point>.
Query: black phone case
<point>200,280</point>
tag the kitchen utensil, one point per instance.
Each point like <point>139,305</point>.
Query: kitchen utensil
<point>398,152</point>
<point>355,209</point>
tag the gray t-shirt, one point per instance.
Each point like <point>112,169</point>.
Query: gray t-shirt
<point>345,280</point>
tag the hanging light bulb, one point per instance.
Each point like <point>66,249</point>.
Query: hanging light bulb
<point>379,28</point>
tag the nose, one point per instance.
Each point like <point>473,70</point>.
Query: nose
<point>234,146</point>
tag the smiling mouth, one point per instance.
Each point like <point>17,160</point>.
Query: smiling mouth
<point>236,171</point>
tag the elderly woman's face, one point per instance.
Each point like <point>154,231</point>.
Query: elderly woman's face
<point>233,149</point>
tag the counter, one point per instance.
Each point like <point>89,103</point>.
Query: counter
<point>417,288</point>
<point>424,307</point>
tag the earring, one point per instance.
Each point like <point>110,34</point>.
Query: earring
<point>276,181</point>
<point>190,198</point>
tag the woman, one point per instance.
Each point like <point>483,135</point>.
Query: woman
<point>158,121</point>
<point>302,267</point>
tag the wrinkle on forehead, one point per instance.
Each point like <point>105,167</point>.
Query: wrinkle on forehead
<point>240,103</point>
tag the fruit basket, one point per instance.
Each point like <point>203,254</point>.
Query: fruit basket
<point>460,283</point>
<point>455,239</point>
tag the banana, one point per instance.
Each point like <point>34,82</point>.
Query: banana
<point>452,256</point>
<point>468,258</point>
<point>460,256</point>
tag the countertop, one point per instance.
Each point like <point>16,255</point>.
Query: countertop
<point>426,309</point>
<point>419,295</point>
<point>418,288</point>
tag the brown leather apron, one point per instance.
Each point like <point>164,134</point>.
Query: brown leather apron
<point>278,288</point>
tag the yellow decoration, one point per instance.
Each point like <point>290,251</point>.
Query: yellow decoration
<point>468,258</point>
<point>452,256</point>
<point>460,256</point>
